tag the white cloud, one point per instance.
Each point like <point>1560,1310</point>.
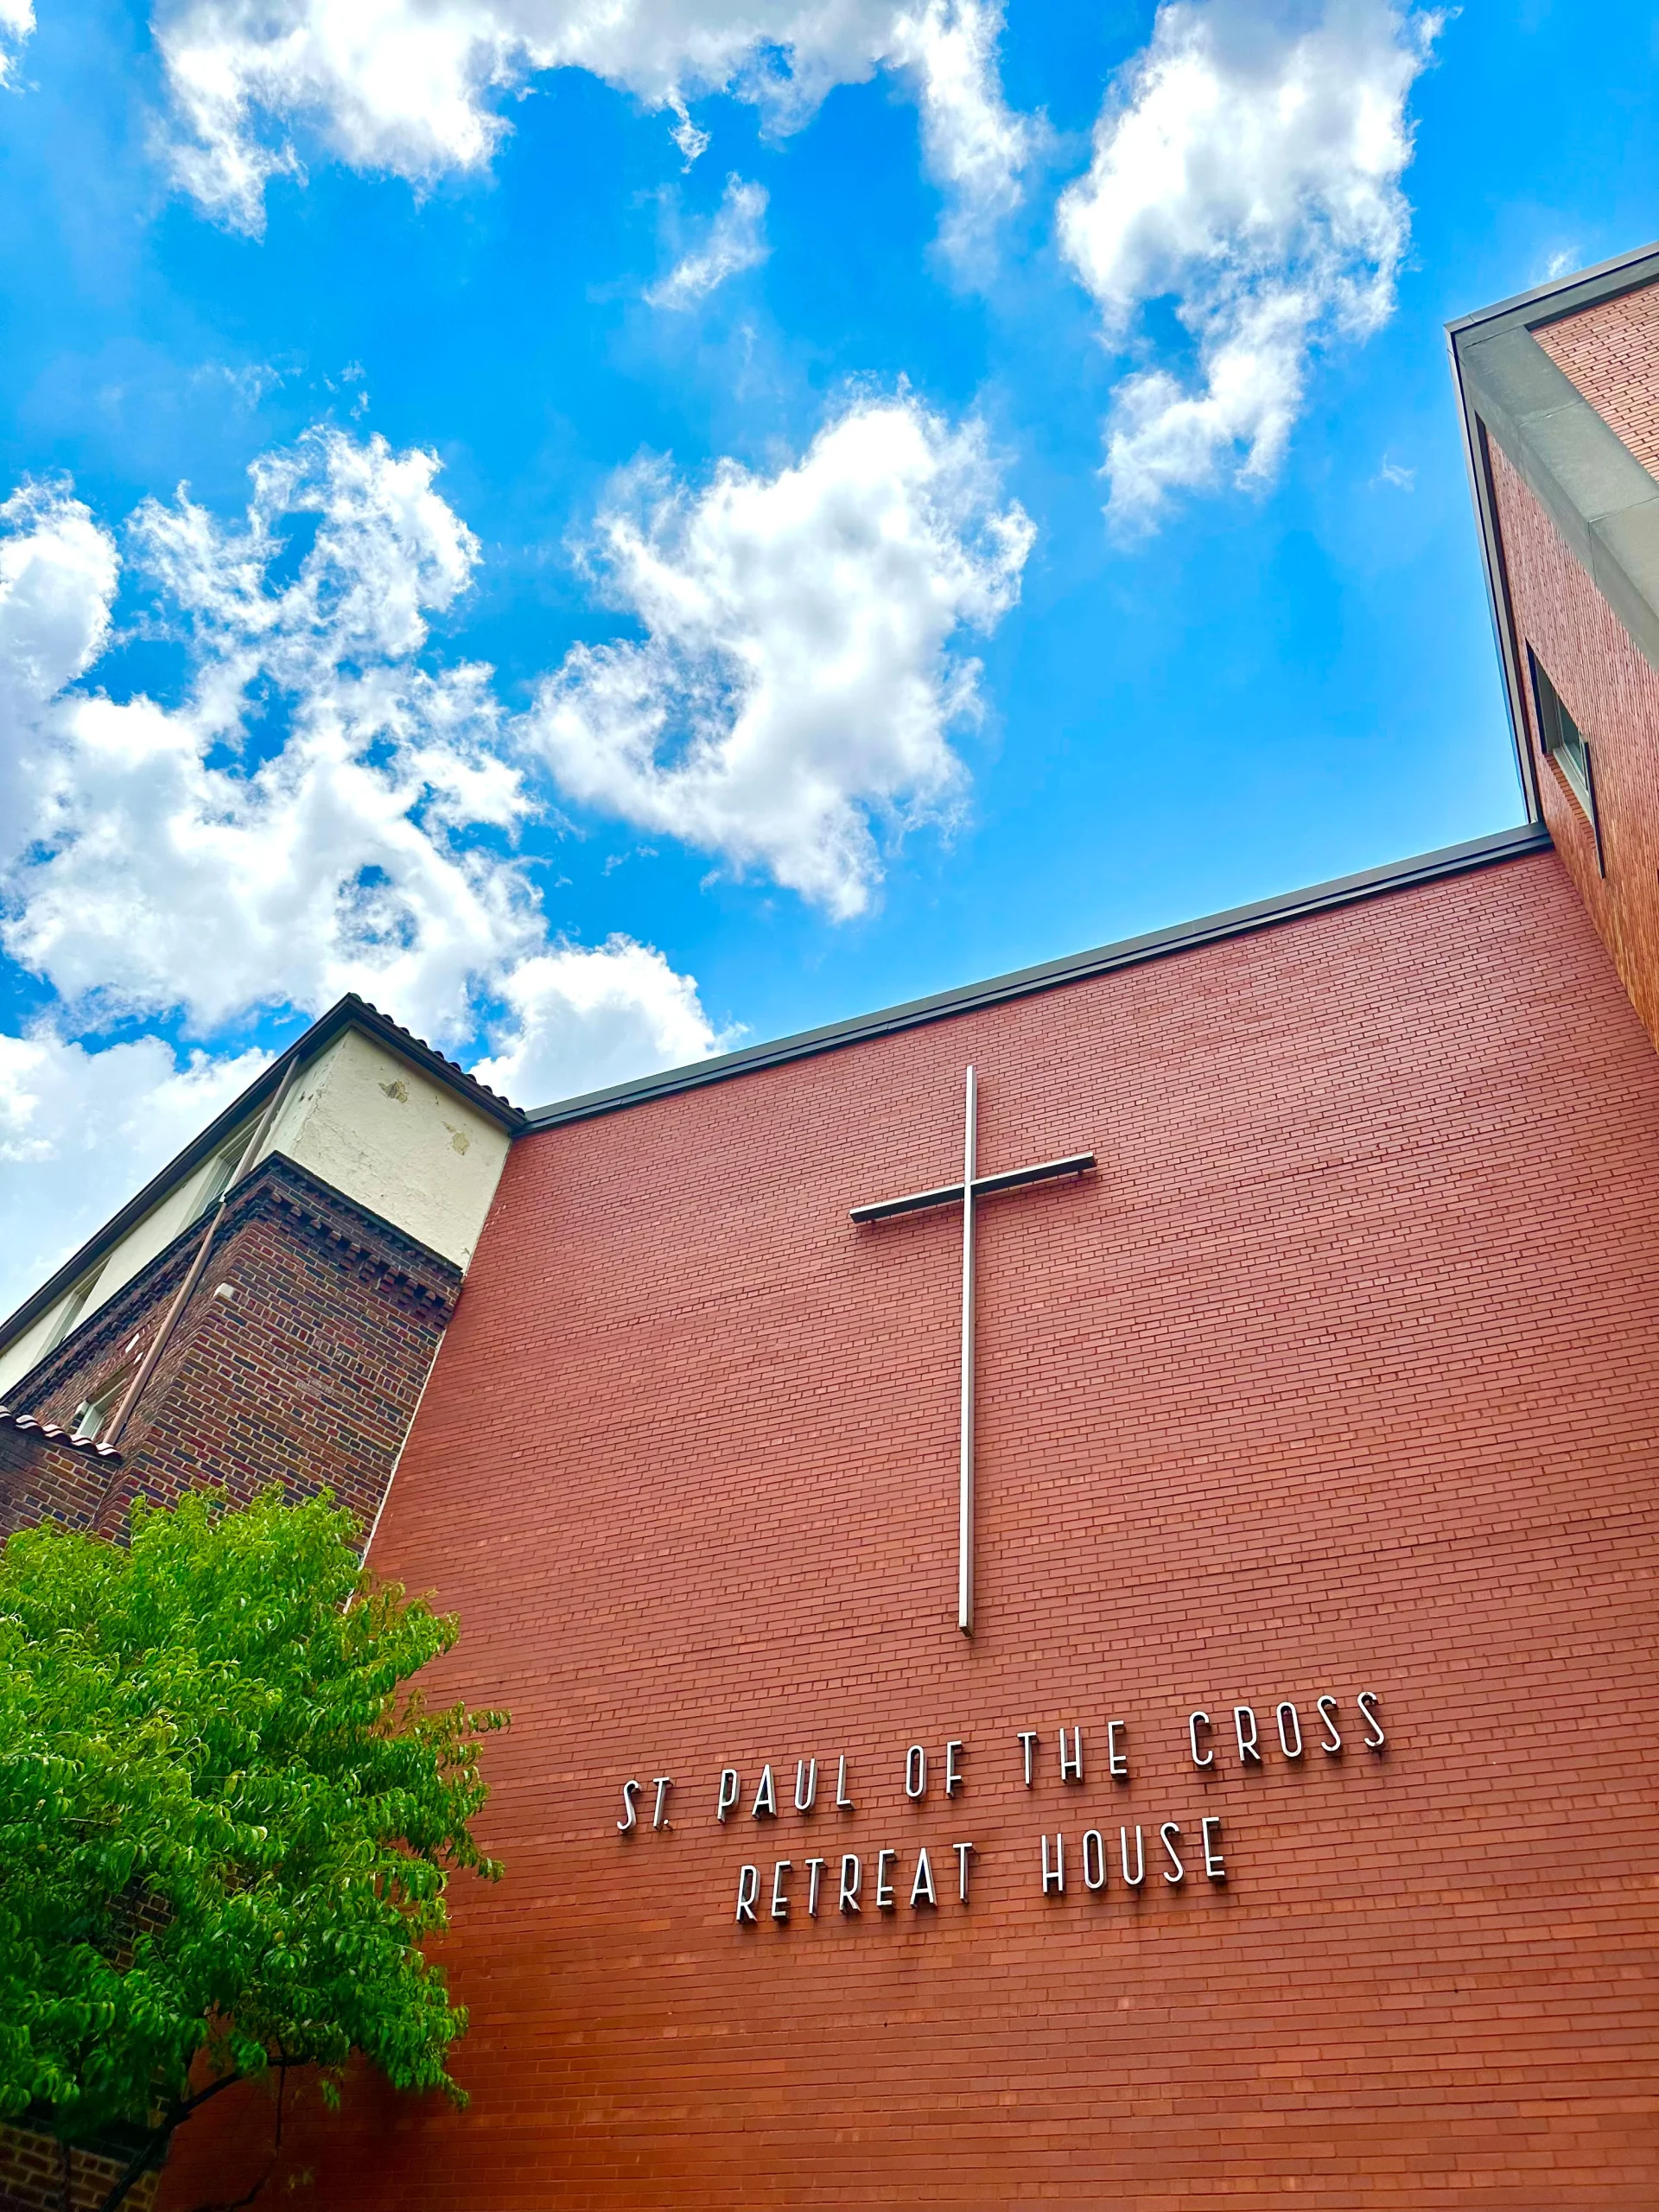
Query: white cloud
<point>57,580</point>
<point>80,1130</point>
<point>413,86</point>
<point>1247,167</point>
<point>735,241</point>
<point>322,810</point>
<point>57,575</point>
<point>173,866</point>
<point>16,22</point>
<point>327,803</point>
<point>975,145</point>
<point>693,142</point>
<point>796,678</point>
<point>600,1016</point>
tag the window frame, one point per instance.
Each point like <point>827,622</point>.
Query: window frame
<point>92,1413</point>
<point>72,1310</point>
<point>1566,745</point>
<point>220,1174</point>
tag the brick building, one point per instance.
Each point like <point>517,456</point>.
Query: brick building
<point>1285,1826</point>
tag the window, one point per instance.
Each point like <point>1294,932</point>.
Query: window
<point>72,1307</point>
<point>1563,738</point>
<point>93,1414</point>
<point>1567,744</point>
<point>217,1181</point>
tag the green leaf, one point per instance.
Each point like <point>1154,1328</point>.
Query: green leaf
<point>227,1820</point>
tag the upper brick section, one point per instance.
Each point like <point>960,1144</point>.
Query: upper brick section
<point>1611,353</point>
<point>299,1358</point>
<point>1611,691</point>
<point>366,1109</point>
<point>1559,392</point>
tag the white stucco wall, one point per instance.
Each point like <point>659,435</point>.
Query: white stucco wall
<point>172,1212</point>
<point>21,1354</point>
<point>374,1126</point>
<point>361,1118</point>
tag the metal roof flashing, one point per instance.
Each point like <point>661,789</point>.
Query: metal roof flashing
<point>1567,293</point>
<point>1128,952</point>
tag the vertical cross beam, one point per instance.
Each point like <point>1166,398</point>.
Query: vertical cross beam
<point>965,1495</point>
<point>973,1187</point>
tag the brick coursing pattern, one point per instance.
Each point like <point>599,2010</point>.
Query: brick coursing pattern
<point>1610,351</point>
<point>1611,690</point>
<point>1341,1373</point>
<point>31,2176</point>
<point>44,1478</point>
<point>310,1375</point>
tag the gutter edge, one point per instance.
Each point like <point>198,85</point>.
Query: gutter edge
<point>1502,845</point>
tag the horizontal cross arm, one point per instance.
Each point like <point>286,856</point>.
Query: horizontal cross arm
<point>884,1209</point>
<point>985,1186</point>
<point>1015,1178</point>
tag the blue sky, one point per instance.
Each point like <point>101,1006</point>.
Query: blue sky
<point>759,510</point>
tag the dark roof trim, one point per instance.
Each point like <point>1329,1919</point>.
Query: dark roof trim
<point>1599,497</point>
<point>353,1012</point>
<point>1584,288</point>
<point>54,1435</point>
<point>348,1012</point>
<point>1128,952</point>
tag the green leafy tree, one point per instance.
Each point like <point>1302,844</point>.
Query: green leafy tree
<point>226,1823</point>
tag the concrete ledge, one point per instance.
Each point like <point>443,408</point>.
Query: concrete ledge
<point>1598,494</point>
<point>1593,489</point>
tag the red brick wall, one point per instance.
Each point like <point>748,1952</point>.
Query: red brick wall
<point>1340,1375</point>
<point>1611,353</point>
<point>307,1373</point>
<point>44,1477</point>
<point>32,2177</point>
<point>1611,690</point>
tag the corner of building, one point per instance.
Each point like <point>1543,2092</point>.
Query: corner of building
<point>1559,393</point>
<point>306,1248</point>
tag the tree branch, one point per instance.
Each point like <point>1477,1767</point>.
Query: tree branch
<point>160,2137</point>
<point>143,2159</point>
<point>237,2204</point>
<point>188,2105</point>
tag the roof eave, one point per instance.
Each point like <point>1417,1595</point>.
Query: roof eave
<point>1052,974</point>
<point>350,1011</point>
<point>1542,303</point>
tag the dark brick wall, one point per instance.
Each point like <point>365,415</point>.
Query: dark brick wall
<point>301,1358</point>
<point>32,2177</point>
<point>1340,1375</point>
<point>43,1478</point>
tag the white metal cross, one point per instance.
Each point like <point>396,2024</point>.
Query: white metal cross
<point>972,1187</point>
